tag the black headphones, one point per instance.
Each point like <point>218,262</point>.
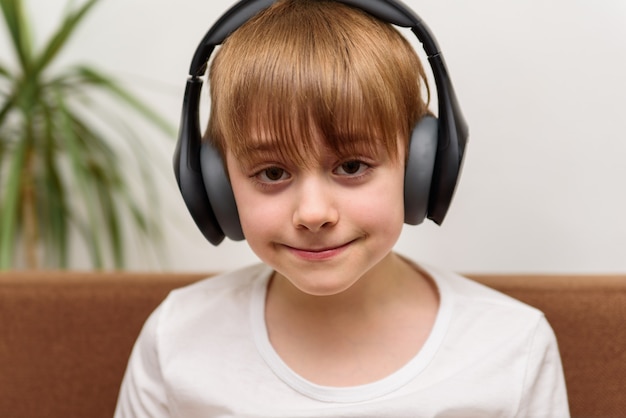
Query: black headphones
<point>436,148</point>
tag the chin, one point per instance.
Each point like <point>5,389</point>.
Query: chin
<point>320,283</point>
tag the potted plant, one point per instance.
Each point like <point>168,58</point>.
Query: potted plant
<point>62,176</point>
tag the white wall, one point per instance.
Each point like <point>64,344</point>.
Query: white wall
<point>542,85</point>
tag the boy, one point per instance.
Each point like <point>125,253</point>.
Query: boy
<point>313,128</point>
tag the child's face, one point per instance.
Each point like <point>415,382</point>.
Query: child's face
<point>323,226</point>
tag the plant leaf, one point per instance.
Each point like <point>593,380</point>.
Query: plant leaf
<point>112,220</point>
<point>6,108</point>
<point>53,213</point>
<point>10,206</point>
<point>63,33</point>
<point>19,30</point>
<point>107,84</point>
<point>81,175</point>
<point>4,72</point>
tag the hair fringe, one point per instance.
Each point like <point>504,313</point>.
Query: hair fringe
<point>301,69</point>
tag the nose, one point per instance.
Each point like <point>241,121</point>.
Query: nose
<point>315,208</point>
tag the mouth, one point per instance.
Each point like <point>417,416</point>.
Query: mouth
<point>319,253</point>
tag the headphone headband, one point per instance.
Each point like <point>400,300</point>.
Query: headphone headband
<point>391,11</point>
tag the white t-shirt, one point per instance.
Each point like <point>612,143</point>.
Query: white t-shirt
<point>205,353</point>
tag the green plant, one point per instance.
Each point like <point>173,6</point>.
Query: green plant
<point>63,141</point>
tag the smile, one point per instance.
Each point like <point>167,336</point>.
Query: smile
<point>319,254</point>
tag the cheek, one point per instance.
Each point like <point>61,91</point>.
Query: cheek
<point>258,219</point>
<point>382,208</point>
<point>258,214</point>
<point>261,224</point>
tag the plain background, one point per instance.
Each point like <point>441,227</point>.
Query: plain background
<point>542,87</point>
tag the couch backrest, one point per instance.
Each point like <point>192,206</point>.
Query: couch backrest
<point>65,337</point>
<point>588,315</point>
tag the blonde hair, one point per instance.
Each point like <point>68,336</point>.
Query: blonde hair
<point>306,67</point>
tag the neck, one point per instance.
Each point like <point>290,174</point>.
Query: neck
<point>391,282</point>
<point>356,336</point>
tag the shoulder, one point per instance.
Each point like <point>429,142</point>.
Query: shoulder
<point>478,315</point>
<point>468,292</point>
<point>226,295</point>
<point>228,282</point>
<point>505,344</point>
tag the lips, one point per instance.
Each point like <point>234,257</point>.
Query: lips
<point>319,254</point>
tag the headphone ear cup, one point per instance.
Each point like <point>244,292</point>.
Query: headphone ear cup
<point>220,191</point>
<point>420,165</point>
<point>187,166</point>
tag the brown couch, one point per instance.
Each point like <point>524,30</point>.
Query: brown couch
<point>65,337</point>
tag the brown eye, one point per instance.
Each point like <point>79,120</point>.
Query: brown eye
<point>351,168</point>
<point>272,174</point>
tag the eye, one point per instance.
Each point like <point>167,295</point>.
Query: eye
<point>351,168</point>
<point>272,174</point>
